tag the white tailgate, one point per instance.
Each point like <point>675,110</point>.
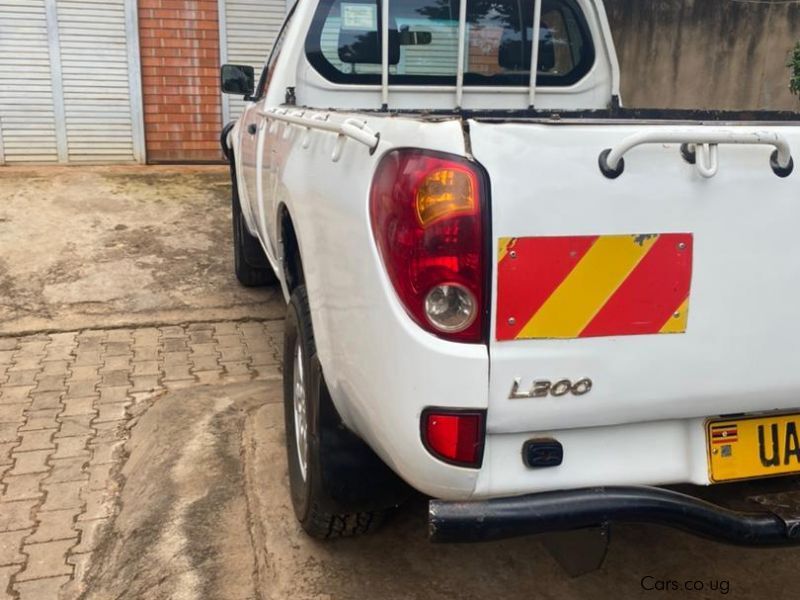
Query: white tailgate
<point>741,348</point>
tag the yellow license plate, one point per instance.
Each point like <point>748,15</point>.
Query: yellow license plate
<point>753,447</point>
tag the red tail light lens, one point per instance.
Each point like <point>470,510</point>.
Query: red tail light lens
<point>427,218</point>
<point>455,437</point>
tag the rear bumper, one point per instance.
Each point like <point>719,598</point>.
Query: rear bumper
<point>778,524</point>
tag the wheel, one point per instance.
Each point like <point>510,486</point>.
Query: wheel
<point>339,487</point>
<point>250,263</point>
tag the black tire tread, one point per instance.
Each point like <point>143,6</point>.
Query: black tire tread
<point>317,522</point>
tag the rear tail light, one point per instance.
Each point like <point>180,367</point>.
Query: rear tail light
<point>427,218</point>
<point>454,436</point>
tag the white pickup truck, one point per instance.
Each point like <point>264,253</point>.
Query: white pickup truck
<point>508,292</point>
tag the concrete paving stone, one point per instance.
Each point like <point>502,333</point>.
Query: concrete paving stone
<point>177,373</point>
<point>40,419</point>
<point>43,400</point>
<point>116,363</point>
<point>236,368</point>
<point>115,378</point>
<point>55,367</point>
<point>6,356</point>
<point>145,367</point>
<point>30,462</point>
<point>100,476</point>
<point>68,469</point>
<point>208,377</point>
<point>90,534</point>
<point>225,328</point>
<point>62,495</point>
<point>10,545</point>
<point>84,373</point>
<point>92,334</point>
<point>231,340</point>
<point>97,506</point>
<point>232,354</point>
<point>8,343</point>
<point>119,335</point>
<point>64,338</point>
<point>32,345</point>
<point>82,388</point>
<point>193,327</point>
<point>76,586</point>
<point>145,353</point>
<point>117,349</point>
<point>175,345</point>
<point>5,452</point>
<point>58,353</point>
<point>273,325</point>
<point>144,383</point>
<point>75,425</point>
<point>105,452</point>
<point>202,349</point>
<point>176,358</point>
<point>39,439</point>
<point>77,406</point>
<point>3,374</point>
<point>87,357</point>
<point>110,412</point>
<point>145,335</point>
<point>16,515</point>
<point>46,560</point>
<point>54,525</point>
<point>21,378</point>
<point>23,487</point>
<point>6,573</point>
<point>202,336</point>
<point>117,393</point>
<point>41,589</point>
<point>72,447</point>
<point>90,345</point>
<point>25,363</point>
<point>49,383</point>
<point>263,358</point>
<point>171,331</point>
<point>267,372</point>
<point>13,413</point>
<point>12,395</point>
<point>8,432</point>
<point>205,363</point>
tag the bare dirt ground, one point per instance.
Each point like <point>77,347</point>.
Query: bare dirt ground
<point>141,428</point>
<point>114,246</point>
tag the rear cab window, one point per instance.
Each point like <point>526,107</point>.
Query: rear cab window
<point>344,42</point>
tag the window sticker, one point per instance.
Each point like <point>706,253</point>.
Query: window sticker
<point>359,17</point>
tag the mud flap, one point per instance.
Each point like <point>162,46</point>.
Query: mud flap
<point>580,551</point>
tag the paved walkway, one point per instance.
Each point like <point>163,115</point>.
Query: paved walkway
<point>67,402</point>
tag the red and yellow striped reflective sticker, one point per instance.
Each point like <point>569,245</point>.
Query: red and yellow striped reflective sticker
<point>593,286</point>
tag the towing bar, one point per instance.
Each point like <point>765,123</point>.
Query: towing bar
<point>578,509</point>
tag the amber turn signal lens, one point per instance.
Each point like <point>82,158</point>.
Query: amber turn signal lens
<point>445,193</point>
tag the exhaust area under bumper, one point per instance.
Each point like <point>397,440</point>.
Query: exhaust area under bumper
<point>500,518</point>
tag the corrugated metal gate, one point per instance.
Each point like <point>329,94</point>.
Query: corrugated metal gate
<point>248,29</point>
<point>69,82</point>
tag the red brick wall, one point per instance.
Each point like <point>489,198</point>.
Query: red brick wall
<point>179,42</point>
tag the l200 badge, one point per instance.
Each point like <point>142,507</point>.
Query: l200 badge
<point>542,388</point>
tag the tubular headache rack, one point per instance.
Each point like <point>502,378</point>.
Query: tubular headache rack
<point>462,36</point>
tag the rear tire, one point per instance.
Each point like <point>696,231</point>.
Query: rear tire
<point>250,262</point>
<point>339,487</point>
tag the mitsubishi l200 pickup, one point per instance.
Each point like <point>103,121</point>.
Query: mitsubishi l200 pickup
<point>505,290</point>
